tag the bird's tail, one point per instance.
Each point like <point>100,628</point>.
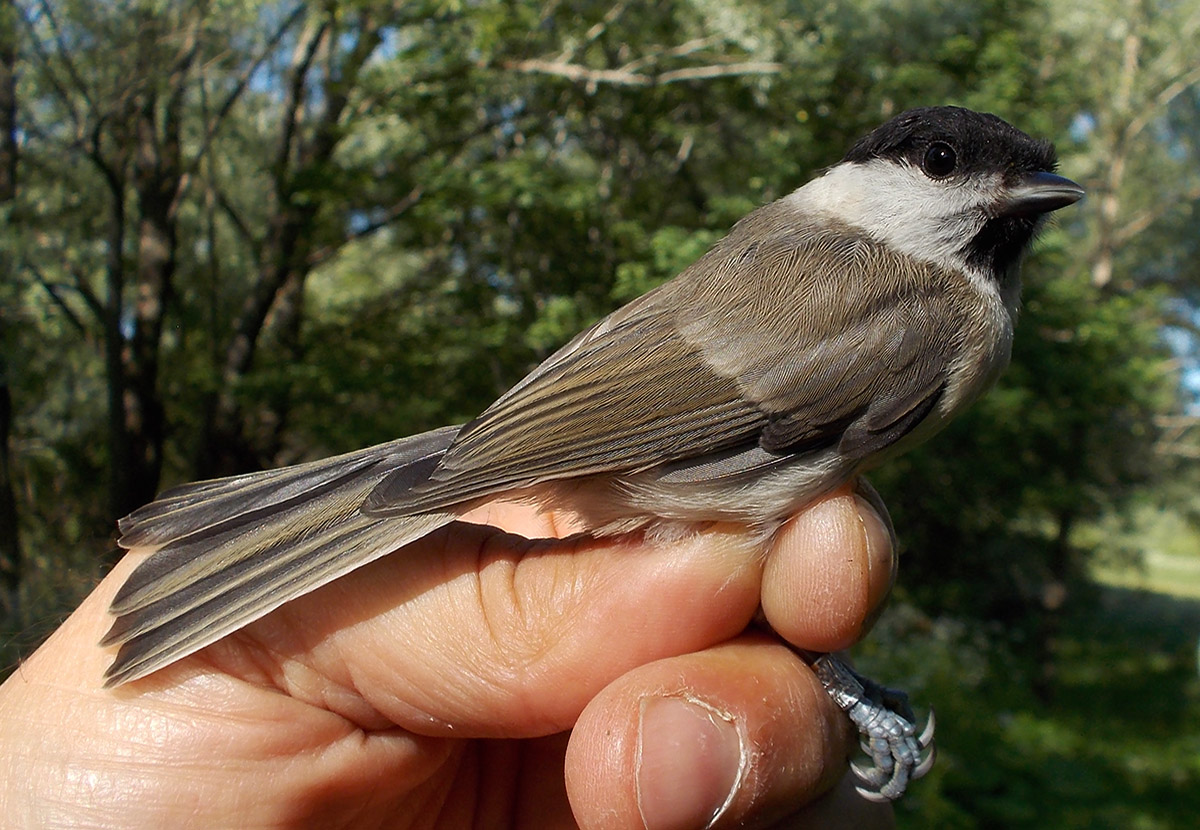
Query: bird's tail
<point>234,549</point>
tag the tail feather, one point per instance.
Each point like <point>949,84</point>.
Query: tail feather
<point>189,508</point>
<point>235,549</point>
<point>244,538</point>
<point>159,634</point>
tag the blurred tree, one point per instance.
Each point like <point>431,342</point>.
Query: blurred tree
<point>105,148</point>
<point>1137,85</point>
<point>10,547</point>
<point>241,234</point>
<point>272,231</point>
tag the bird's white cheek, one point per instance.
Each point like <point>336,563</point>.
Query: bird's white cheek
<point>900,206</point>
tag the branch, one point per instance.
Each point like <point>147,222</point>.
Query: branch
<point>720,71</point>
<point>1173,440</point>
<point>172,145</point>
<point>625,77</point>
<point>1161,100</point>
<point>81,287</point>
<point>51,288</point>
<point>55,84</point>
<point>595,31</point>
<point>239,224</point>
<point>94,304</point>
<point>339,86</point>
<point>1147,218</point>
<point>1176,421</point>
<point>302,58</point>
<point>405,204</point>
<point>64,53</point>
<point>393,213</point>
<point>241,84</point>
<point>679,51</point>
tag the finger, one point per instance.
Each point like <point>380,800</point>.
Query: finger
<point>475,633</point>
<point>829,571</point>
<point>739,732</point>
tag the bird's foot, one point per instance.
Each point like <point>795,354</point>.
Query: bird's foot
<point>889,730</point>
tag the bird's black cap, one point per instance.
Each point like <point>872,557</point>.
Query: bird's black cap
<point>982,142</point>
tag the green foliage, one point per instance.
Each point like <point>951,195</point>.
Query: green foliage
<point>1116,746</point>
<point>503,174</point>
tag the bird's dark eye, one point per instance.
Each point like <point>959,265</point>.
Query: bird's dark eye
<point>940,160</point>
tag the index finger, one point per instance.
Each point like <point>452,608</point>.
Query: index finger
<point>829,570</point>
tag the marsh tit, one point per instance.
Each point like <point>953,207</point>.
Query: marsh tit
<point>828,331</point>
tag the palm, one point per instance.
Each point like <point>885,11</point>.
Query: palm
<point>442,682</point>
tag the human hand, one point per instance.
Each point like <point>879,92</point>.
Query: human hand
<point>477,678</point>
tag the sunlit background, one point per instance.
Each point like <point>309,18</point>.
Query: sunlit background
<point>238,235</point>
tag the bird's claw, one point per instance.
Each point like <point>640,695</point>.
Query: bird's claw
<point>888,727</point>
<point>897,758</point>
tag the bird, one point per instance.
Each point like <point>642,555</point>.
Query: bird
<point>828,331</point>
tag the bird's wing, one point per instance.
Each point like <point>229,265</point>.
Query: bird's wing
<point>689,371</point>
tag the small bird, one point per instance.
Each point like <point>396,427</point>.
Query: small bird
<point>829,330</point>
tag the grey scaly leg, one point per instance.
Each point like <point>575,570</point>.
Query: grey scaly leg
<point>886,722</point>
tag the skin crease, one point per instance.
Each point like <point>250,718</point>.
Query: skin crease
<point>389,697</point>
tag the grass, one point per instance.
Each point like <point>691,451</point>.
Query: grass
<point>1111,741</point>
<point>1170,574</point>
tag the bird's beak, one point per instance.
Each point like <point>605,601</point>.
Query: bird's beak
<point>1039,193</point>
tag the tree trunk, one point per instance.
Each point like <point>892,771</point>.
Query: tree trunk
<point>10,543</point>
<point>134,330</point>
<point>10,547</point>
<point>235,440</point>
<point>1055,594</point>
<point>122,462</point>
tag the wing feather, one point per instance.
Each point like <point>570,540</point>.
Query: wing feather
<point>782,336</point>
